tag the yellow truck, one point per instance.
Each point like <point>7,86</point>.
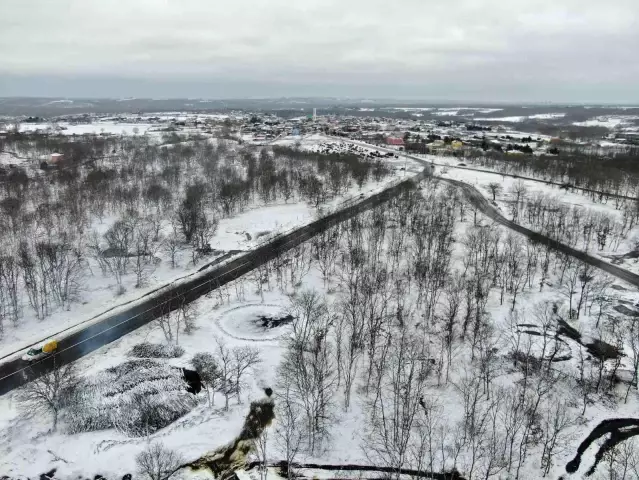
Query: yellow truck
<point>43,350</point>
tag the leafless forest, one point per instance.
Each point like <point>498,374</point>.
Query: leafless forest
<point>119,205</point>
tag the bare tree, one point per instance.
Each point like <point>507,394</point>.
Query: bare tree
<point>224,357</point>
<point>622,461</point>
<point>631,329</point>
<point>95,250</point>
<point>172,246</point>
<point>452,305</point>
<point>396,411</point>
<point>308,366</point>
<point>188,314</point>
<point>518,191</point>
<point>172,322</point>
<point>585,380</point>
<point>244,359</point>
<point>494,188</point>
<point>145,247</point>
<point>157,462</point>
<point>191,211</point>
<point>556,419</point>
<point>585,277</point>
<point>514,423</point>
<point>205,229</point>
<point>46,393</point>
<point>423,449</point>
<point>119,238</point>
<point>260,444</point>
<point>65,266</point>
<point>569,284</point>
<point>289,427</point>
<point>35,280</point>
<point>327,251</point>
<point>300,263</point>
<point>600,288</point>
<point>10,286</point>
<point>481,439</point>
<point>169,323</point>
<point>514,267</point>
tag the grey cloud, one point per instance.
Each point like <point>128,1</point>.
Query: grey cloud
<point>526,50</point>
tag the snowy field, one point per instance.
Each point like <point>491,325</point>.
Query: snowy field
<point>106,128</point>
<point>7,159</point>
<point>623,239</point>
<point>242,232</point>
<point>547,116</point>
<point>93,128</point>
<point>28,448</point>
<point>515,119</point>
<point>127,124</point>
<point>611,122</point>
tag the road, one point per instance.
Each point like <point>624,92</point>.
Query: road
<point>475,197</point>
<point>482,203</point>
<point>538,180</point>
<point>482,170</point>
<point>16,372</point>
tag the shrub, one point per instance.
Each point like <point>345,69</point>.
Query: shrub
<point>156,350</point>
<point>157,462</point>
<point>137,397</point>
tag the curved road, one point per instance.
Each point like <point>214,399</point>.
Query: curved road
<point>533,179</point>
<point>479,201</point>
<point>482,170</point>
<point>475,197</point>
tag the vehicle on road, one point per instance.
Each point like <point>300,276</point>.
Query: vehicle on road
<point>40,351</point>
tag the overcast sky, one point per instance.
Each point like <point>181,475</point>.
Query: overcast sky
<point>476,50</point>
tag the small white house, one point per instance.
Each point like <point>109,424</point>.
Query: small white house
<point>56,158</point>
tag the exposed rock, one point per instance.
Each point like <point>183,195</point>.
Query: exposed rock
<point>227,459</point>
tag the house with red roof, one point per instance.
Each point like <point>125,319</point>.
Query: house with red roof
<point>395,141</point>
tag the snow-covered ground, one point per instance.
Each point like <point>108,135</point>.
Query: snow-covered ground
<point>96,128</point>
<point>126,124</point>
<point>515,119</point>
<point>612,121</point>
<point>98,294</point>
<point>27,448</point>
<point>505,198</point>
<point>547,116</point>
<point>106,127</point>
<point>6,159</point>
